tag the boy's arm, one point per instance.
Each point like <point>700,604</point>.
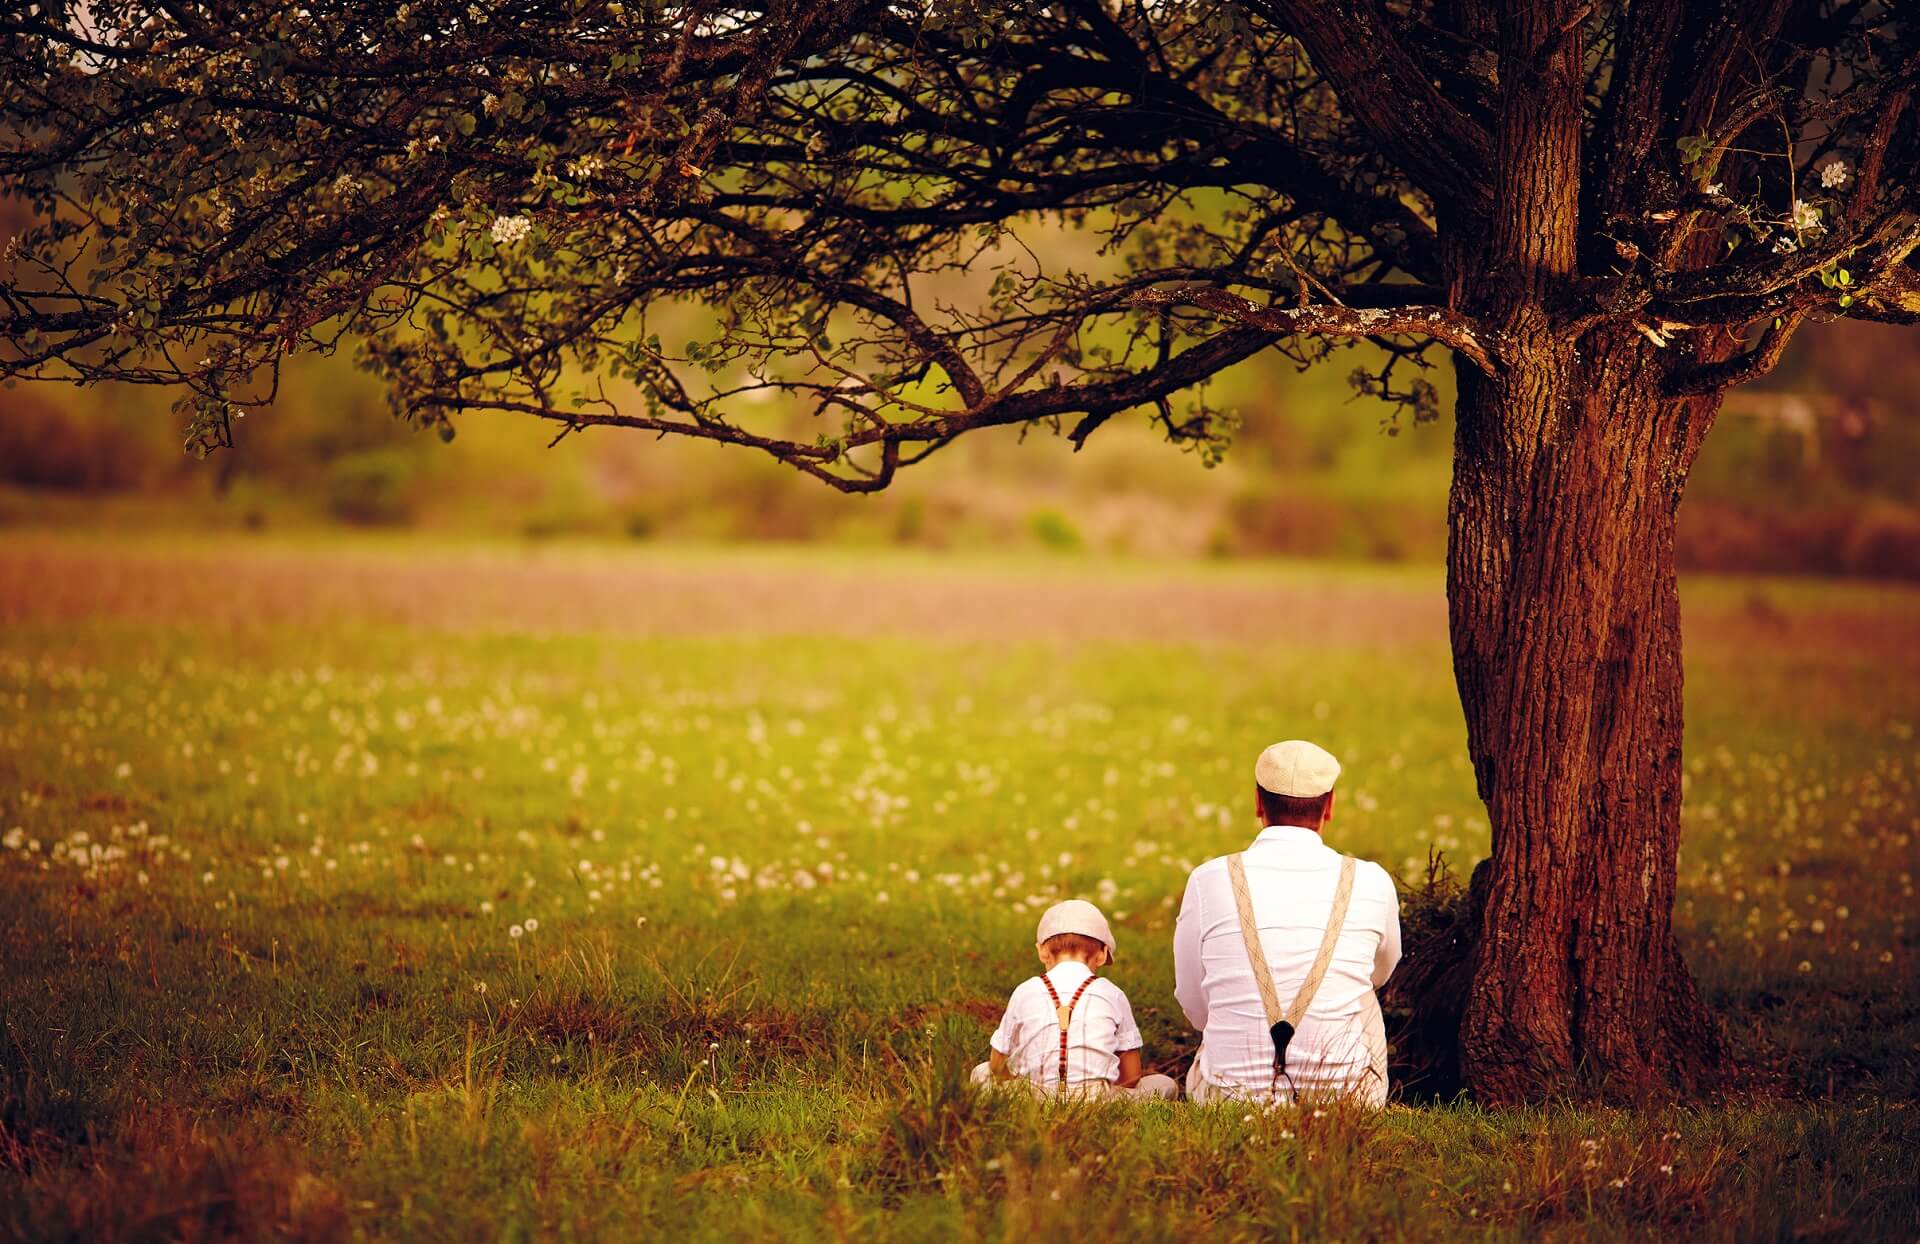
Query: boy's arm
<point>998,1068</point>
<point>1129,1068</point>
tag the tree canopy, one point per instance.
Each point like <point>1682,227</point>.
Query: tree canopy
<point>494,205</point>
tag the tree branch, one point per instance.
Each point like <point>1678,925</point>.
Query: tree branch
<point>1449,328</point>
<point>1386,92</point>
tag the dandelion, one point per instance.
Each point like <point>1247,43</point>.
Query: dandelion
<point>1834,175</point>
<point>511,230</point>
<point>486,907</point>
<point>532,924</point>
<point>515,932</point>
<point>479,986</point>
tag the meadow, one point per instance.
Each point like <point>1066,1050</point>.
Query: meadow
<point>374,889</point>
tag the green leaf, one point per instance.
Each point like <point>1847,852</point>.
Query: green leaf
<point>1844,277</point>
<point>1846,300</point>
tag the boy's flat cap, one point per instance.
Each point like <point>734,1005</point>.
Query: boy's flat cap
<point>1076,915</point>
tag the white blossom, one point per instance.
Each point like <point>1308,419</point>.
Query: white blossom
<point>1805,215</point>
<point>510,230</point>
<point>1834,175</point>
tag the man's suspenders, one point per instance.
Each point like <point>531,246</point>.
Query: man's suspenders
<point>1281,1025</point>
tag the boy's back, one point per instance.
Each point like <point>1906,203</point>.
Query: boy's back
<point>1099,1027</point>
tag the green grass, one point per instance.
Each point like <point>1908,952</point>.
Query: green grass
<point>260,886</point>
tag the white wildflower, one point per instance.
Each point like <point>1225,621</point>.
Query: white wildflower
<point>585,167</point>
<point>1717,189</point>
<point>532,924</point>
<point>1805,215</point>
<point>515,931</point>
<point>1834,175</point>
<point>1785,246</point>
<point>510,230</point>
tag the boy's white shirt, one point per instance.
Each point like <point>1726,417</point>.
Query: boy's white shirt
<point>1101,1027</point>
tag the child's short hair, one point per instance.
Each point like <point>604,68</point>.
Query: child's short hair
<point>1073,946</point>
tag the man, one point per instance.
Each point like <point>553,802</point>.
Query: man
<point>1315,1027</point>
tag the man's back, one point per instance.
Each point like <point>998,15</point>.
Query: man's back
<point>1291,878</point>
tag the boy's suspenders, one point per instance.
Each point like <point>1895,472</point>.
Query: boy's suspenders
<point>1064,1014</point>
<point>1281,1025</point>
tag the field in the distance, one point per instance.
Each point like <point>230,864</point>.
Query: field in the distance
<point>401,890</point>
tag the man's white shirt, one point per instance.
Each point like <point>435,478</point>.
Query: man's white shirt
<point>1100,1028</point>
<point>1291,876</point>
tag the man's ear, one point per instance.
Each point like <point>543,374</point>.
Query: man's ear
<point>1328,814</point>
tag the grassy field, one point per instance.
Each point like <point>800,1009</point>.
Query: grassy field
<point>390,890</point>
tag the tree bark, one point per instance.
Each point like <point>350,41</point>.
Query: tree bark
<point>1566,639</point>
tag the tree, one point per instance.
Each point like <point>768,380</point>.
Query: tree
<point>1606,213</point>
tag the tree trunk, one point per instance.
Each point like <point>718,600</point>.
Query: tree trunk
<point>1566,640</point>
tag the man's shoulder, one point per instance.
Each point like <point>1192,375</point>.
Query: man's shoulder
<point>1373,876</point>
<point>1217,866</point>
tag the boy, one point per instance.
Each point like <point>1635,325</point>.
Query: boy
<point>1068,1030</point>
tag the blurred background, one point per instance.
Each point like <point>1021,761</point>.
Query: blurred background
<point>1809,472</point>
